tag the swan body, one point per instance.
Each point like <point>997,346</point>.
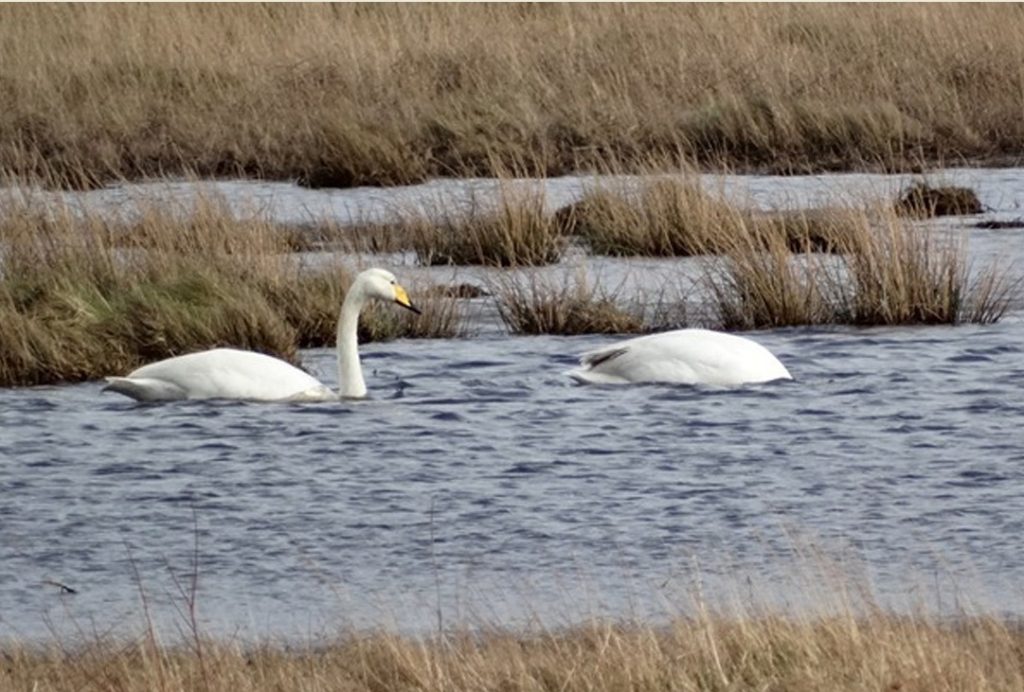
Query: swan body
<point>227,373</point>
<point>683,356</point>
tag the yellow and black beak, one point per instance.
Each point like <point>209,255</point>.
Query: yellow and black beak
<point>402,298</point>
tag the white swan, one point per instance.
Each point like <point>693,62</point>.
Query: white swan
<point>684,356</point>
<point>227,373</point>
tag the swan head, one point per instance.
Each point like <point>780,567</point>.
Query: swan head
<point>381,284</point>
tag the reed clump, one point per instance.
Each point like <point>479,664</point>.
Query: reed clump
<point>886,272</point>
<point>665,218</point>
<point>768,271</point>
<point>517,232</point>
<point>577,304</point>
<point>677,217</point>
<point>759,283</point>
<point>84,296</point>
<point>352,95</point>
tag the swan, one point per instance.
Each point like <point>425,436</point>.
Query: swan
<point>683,356</point>
<point>227,373</point>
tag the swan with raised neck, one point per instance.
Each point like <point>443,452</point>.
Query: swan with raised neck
<point>227,373</point>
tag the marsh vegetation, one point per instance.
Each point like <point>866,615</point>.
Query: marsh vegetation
<point>710,650</point>
<point>354,95</point>
<point>348,95</point>
<point>85,294</point>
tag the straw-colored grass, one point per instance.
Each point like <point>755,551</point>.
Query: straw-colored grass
<point>664,218</point>
<point>759,283</point>
<point>677,217</point>
<point>517,231</point>
<point>352,94</point>
<point>578,304</point>
<point>709,652</point>
<point>882,270</point>
<point>887,272</point>
<point>903,274</point>
<point>82,297</point>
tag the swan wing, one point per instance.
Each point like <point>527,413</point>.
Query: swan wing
<point>684,356</point>
<point>221,373</point>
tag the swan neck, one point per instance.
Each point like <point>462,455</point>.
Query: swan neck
<point>350,372</point>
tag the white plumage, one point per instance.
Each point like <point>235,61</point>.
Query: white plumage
<point>227,373</point>
<point>684,356</point>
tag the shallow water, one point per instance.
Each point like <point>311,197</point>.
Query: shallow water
<point>479,483</point>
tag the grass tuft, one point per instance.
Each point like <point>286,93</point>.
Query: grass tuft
<point>530,304</point>
<point>665,218</point>
<point>83,297</point>
<point>889,272</point>
<point>518,232</point>
<point>922,200</point>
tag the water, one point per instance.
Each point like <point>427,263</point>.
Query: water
<point>480,483</point>
<point>478,477</point>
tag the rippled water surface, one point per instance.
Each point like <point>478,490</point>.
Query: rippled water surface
<point>478,477</point>
<point>479,482</point>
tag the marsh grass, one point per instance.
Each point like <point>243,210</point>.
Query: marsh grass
<point>664,218</point>
<point>711,649</point>
<point>903,274</point>
<point>886,272</point>
<point>578,304</point>
<point>83,296</point>
<point>878,269</point>
<point>759,283</point>
<point>678,217</point>
<point>516,232</point>
<point>350,95</point>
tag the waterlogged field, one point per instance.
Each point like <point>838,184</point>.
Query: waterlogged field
<point>478,485</point>
<point>481,522</point>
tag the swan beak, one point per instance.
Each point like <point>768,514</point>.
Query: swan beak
<point>402,298</point>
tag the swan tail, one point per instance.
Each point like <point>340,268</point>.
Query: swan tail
<point>595,358</point>
<point>144,389</point>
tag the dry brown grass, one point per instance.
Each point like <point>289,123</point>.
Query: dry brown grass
<point>664,218</point>
<point>887,272</point>
<point>678,217</point>
<point>881,270</point>
<point>85,296</point>
<point>759,283</point>
<point>577,304</point>
<point>351,94</point>
<point>708,651</point>
<point>517,231</point>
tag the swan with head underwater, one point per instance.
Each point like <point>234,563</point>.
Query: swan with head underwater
<point>683,356</point>
<point>227,373</point>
